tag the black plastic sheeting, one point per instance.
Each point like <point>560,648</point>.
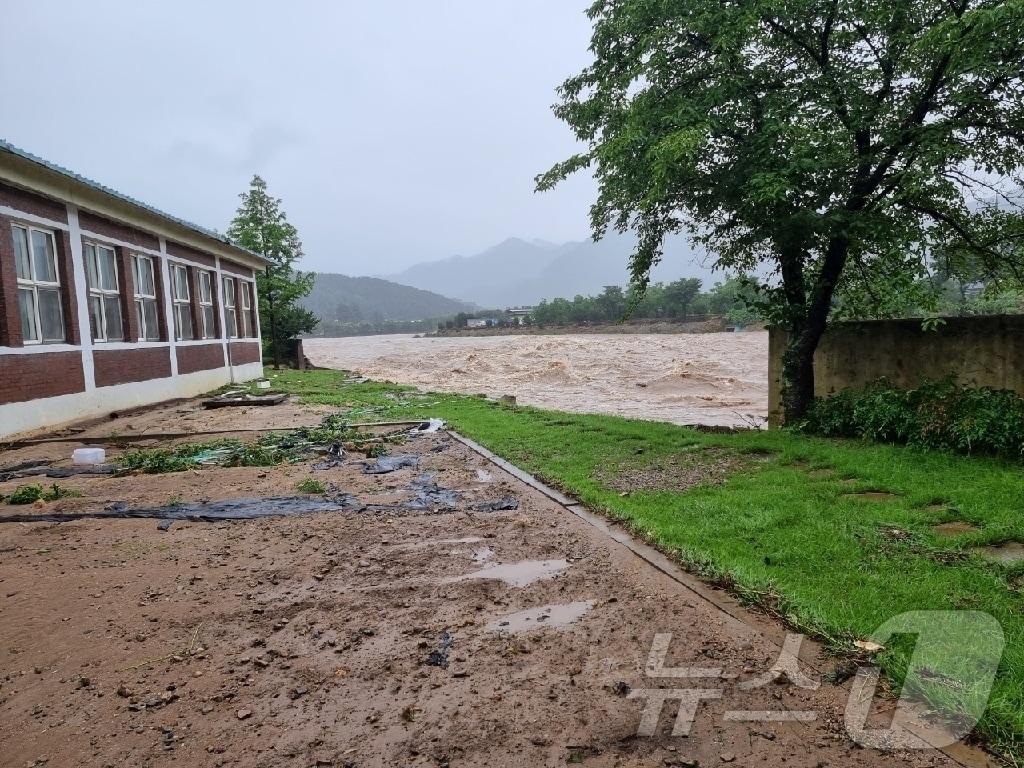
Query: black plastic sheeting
<point>28,470</point>
<point>507,502</point>
<point>430,495</point>
<point>208,512</point>
<point>386,464</point>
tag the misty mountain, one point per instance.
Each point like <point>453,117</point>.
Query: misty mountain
<point>518,271</point>
<point>371,299</point>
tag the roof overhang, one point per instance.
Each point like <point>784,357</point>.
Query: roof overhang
<point>34,174</point>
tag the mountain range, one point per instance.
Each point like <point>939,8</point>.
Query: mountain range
<point>373,300</point>
<point>517,271</point>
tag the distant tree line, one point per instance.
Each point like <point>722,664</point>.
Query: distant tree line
<point>679,300</point>
<point>375,327</point>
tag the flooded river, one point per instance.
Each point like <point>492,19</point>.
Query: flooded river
<point>709,378</point>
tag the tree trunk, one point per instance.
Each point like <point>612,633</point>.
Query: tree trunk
<point>807,326</point>
<point>275,351</point>
<point>798,377</point>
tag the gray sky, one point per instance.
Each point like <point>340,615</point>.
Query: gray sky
<point>395,132</point>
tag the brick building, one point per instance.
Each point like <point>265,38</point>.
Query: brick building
<point>107,303</point>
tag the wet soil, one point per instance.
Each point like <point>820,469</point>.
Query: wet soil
<point>305,640</point>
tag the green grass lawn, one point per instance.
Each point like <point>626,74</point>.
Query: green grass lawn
<point>783,526</point>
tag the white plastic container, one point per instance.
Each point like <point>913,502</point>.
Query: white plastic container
<point>263,384</point>
<point>88,456</point>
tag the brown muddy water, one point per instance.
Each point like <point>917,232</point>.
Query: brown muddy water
<point>707,378</point>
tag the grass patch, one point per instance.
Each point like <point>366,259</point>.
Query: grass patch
<point>30,494</point>
<point>310,485</point>
<point>783,527</point>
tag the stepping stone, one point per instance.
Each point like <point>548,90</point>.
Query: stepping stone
<point>954,528</point>
<point>1007,553</point>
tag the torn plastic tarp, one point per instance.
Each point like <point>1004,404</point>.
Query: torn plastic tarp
<point>47,471</point>
<point>385,464</point>
<point>507,502</point>
<point>428,427</point>
<point>430,495</point>
<point>211,511</point>
<point>333,456</point>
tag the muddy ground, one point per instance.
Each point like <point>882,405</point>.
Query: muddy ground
<point>386,637</point>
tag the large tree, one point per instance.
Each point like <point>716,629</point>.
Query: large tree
<point>836,144</point>
<point>261,226</point>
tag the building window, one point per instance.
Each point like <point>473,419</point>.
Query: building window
<point>104,299</point>
<point>209,329</point>
<point>182,304</point>
<point>247,310</point>
<point>145,298</point>
<point>229,308</point>
<point>42,318</point>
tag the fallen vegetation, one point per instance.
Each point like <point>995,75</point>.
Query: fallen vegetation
<point>800,526</point>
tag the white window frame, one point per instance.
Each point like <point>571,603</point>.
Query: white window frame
<point>206,302</point>
<point>95,291</point>
<point>145,333</point>
<point>230,320</point>
<point>246,301</point>
<point>181,303</point>
<point>33,284</point>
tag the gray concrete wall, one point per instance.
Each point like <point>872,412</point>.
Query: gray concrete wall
<point>978,351</point>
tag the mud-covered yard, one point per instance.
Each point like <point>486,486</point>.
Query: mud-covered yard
<point>406,627</point>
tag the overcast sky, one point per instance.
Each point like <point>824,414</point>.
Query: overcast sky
<point>395,132</point>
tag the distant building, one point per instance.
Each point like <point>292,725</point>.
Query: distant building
<point>518,315</point>
<point>108,304</point>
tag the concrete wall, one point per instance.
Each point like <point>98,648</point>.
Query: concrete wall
<point>978,351</point>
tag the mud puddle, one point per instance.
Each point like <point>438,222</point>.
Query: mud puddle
<point>518,574</point>
<point>555,616</point>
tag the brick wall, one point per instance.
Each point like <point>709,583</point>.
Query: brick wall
<point>235,269</point>
<point>10,319</point>
<point>13,197</point>
<point>120,366</point>
<point>241,352</point>
<point>200,357</point>
<point>185,252</point>
<point>45,374</point>
<point>90,222</point>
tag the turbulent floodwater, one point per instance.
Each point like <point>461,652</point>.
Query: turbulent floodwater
<point>708,378</point>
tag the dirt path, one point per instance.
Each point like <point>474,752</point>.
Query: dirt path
<point>705,378</point>
<point>368,638</point>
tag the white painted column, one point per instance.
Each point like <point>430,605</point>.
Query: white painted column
<point>225,339</point>
<point>168,292</point>
<point>82,297</point>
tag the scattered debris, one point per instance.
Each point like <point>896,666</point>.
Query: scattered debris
<point>88,456</point>
<point>233,400</point>
<point>428,427</point>
<point>439,656</point>
<point>429,495</point>
<point>507,502</point>
<point>230,509</point>
<point>869,645</point>
<point>385,464</point>
<point>57,472</point>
